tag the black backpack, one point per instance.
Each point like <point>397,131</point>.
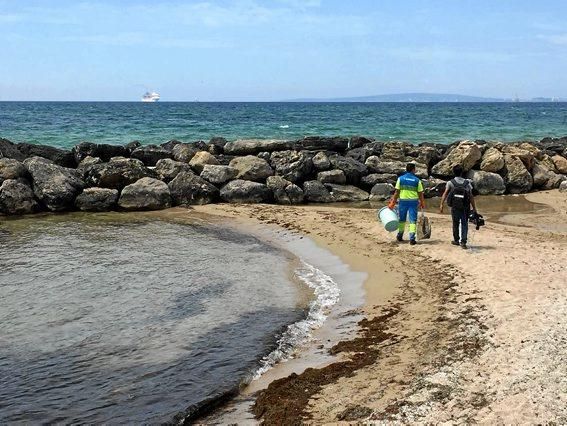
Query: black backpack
<point>459,198</point>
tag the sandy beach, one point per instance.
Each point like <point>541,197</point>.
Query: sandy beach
<point>449,335</point>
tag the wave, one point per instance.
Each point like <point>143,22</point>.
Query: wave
<point>298,334</point>
<point>284,126</point>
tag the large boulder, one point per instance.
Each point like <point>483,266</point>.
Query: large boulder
<point>17,198</point>
<point>184,152</point>
<point>560,164</point>
<point>10,150</point>
<point>372,179</point>
<point>563,186</point>
<point>201,158</point>
<point>245,191</point>
<point>60,157</point>
<point>11,169</point>
<point>54,186</point>
<point>532,149</point>
<point>343,193</point>
<point>117,173</point>
<point>492,160</point>
<point>217,174</point>
<point>433,187</point>
<point>487,183</point>
<point>188,188</point>
<point>315,192</point>
<point>321,161</point>
<point>103,151</point>
<point>359,141</point>
<point>381,192</point>
<point>426,155</point>
<point>86,164</point>
<point>216,145</point>
<point>332,176</point>
<point>292,165</point>
<point>353,170</point>
<point>97,200</point>
<point>394,151</point>
<point>466,153</point>
<point>526,156</point>
<point>324,143</point>
<point>377,165</point>
<point>554,181</point>
<point>145,194</point>
<point>359,154</point>
<point>518,178</point>
<point>167,169</point>
<point>151,154</point>
<point>252,168</point>
<point>284,191</point>
<point>547,162</point>
<point>255,146</point>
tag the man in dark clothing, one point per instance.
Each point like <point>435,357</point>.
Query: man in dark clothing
<point>459,196</point>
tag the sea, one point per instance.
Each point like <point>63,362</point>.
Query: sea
<point>139,318</point>
<point>64,124</point>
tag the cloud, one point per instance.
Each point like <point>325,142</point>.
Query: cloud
<point>558,39</point>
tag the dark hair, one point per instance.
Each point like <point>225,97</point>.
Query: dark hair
<point>458,170</point>
<point>410,167</point>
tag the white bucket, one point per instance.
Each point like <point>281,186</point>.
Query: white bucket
<point>389,219</point>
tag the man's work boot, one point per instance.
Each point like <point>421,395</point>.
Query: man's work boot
<point>400,237</point>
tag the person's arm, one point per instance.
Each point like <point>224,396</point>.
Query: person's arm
<point>443,198</point>
<point>473,203</point>
<point>420,195</point>
<point>394,199</point>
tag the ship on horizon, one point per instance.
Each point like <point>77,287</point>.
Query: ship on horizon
<point>150,97</point>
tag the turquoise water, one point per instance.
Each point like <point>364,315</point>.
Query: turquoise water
<point>64,124</point>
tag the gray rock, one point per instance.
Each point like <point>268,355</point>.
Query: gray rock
<point>518,178</point>
<point>487,183</point>
<point>359,141</point>
<point>353,170</point>
<point>524,155</point>
<point>554,181</point>
<point>130,147</point>
<point>145,194</point>
<point>184,152</point>
<point>103,151</point>
<point>117,173</point>
<point>547,162</point>
<point>560,164</point>
<point>11,169</point>
<point>394,151</point>
<point>332,176</point>
<point>10,150</point>
<point>188,188</point>
<point>372,179</point>
<point>315,192</point>
<point>61,157</point>
<point>17,198</point>
<point>292,165</point>
<point>492,160</point>
<point>167,169</point>
<point>264,155</point>
<point>425,155</point>
<point>255,146</point>
<point>541,175</point>
<point>433,187</point>
<point>169,145</point>
<point>323,143</point>
<point>284,191</point>
<point>358,154</point>
<point>376,165</point>
<point>252,168</point>
<point>466,153</point>
<point>86,164</point>
<point>151,154</point>
<point>217,174</point>
<point>200,159</point>
<point>219,143</point>
<point>563,186</point>
<point>244,191</point>
<point>342,193</point>
<point>381,192</point>
<point>54,186</point>
<point>321,161</point>
<point>97,200</point>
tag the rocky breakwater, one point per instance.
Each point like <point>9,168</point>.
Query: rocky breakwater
<point>99,177</point>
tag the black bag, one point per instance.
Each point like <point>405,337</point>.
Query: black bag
<point>459,198</point>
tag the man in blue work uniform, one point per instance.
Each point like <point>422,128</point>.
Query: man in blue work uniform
<point>409,190</point>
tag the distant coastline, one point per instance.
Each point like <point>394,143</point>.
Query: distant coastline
<point>425,97</point>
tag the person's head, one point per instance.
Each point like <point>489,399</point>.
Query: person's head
<point>410,168</point>
<point>458,170</point>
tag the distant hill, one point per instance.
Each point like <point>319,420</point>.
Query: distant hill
<point>406,97</point>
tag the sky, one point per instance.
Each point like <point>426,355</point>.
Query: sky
<point>253,50</point>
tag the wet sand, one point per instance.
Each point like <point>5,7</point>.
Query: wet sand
<point>449,335</point>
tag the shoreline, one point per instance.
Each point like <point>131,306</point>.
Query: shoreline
<point>408,361</point>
